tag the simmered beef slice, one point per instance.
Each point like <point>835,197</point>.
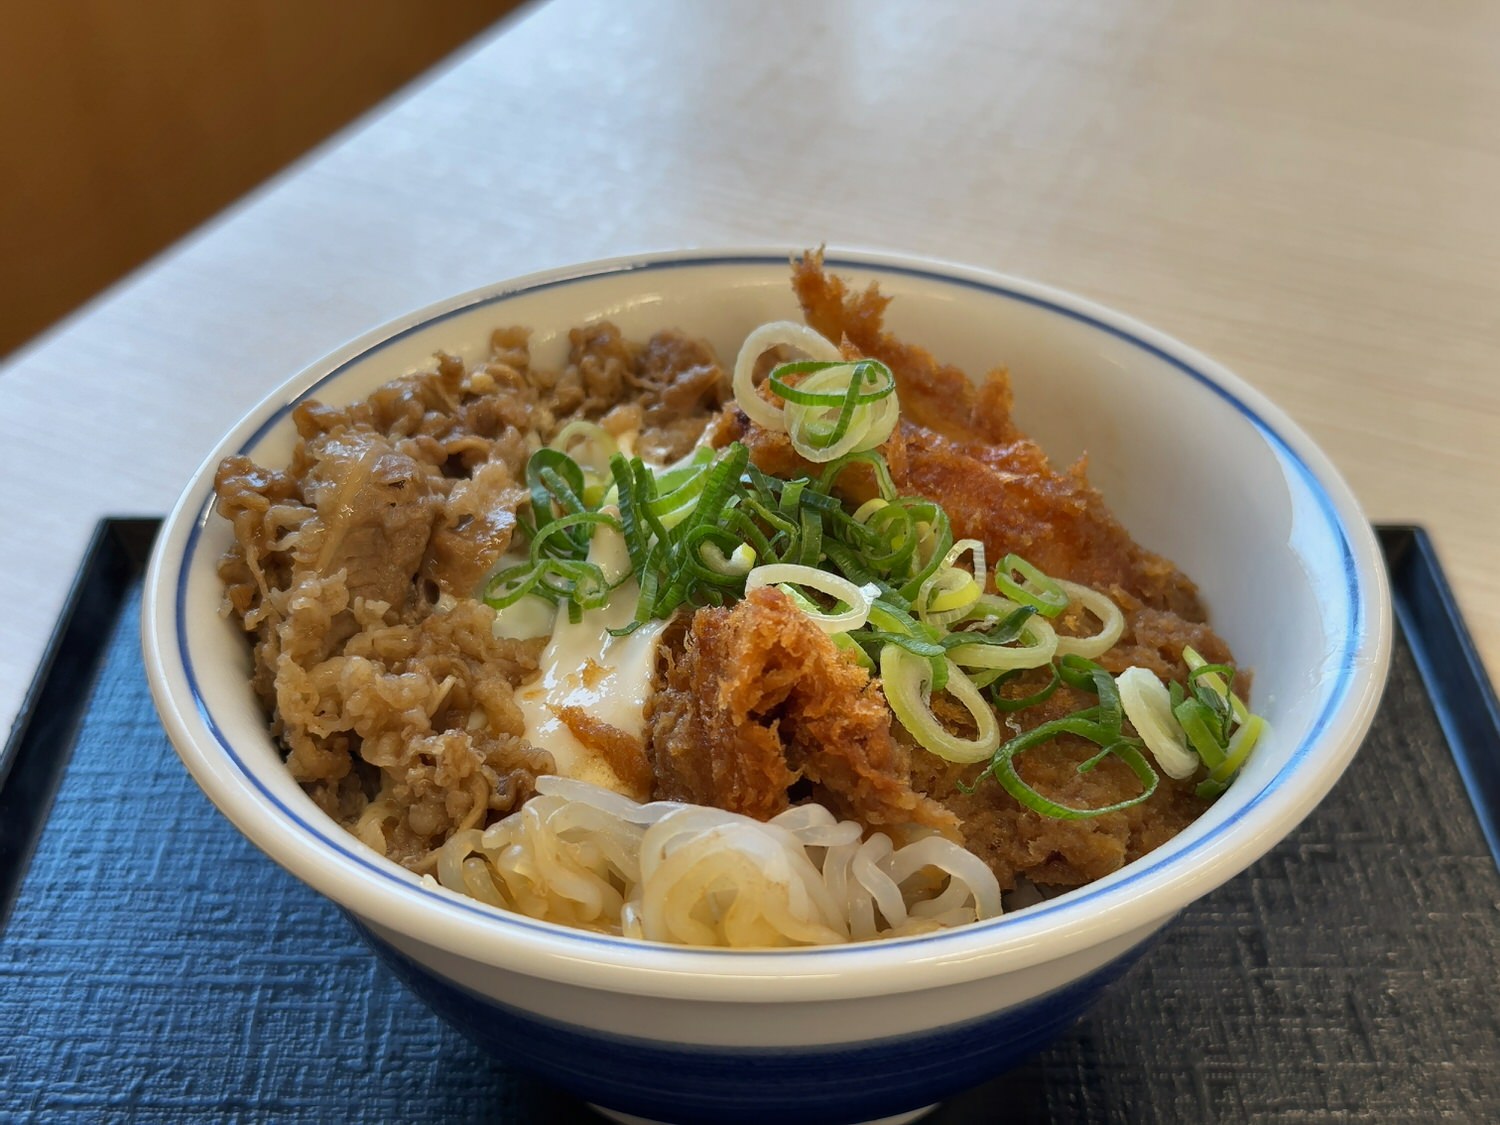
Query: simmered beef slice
<point>475,529</point>
<point>760,698</point>
<point>681,384</point>
<point>377,512</point>
<point>261,505</point>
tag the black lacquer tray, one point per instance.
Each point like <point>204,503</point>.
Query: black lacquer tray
<point>156,967</point>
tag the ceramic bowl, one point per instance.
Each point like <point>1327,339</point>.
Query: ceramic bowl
<point>1196,463</point>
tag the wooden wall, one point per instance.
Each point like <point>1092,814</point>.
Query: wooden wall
<point>125,123</point>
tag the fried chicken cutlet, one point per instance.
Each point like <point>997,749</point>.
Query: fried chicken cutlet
<point>957,445</point>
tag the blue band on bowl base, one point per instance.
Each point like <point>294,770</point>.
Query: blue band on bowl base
<point>795,1085</point>
<point>1076,904</point>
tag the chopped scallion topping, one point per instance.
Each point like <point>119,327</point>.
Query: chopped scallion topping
<point>838,408</point>
<point>1035,589</point>
<point>1100,725</point>
<point>885,578</point>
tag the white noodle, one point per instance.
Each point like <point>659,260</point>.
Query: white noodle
<point>584,856</point>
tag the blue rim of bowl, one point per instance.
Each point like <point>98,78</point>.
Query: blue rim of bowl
<point>352,850</point>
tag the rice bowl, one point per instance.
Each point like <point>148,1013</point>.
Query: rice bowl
<point>1310,616</point>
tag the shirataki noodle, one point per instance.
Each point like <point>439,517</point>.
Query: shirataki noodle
<point>583,856</point>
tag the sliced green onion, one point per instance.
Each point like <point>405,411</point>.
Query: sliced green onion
<point>870,458</point>
<point>931,534</point>
<point>1091,724</point>
<point>738,563</point>
<point>545,543</point>
<point>892,543</point>
<point>675,506</point>
<point>1111,622</point>
<point>1035,589</point>
<point>1195,662</point>
<point>946,596</point>
<point>1039,645</point>
<point>554,478</point>
<point>856,652</point>
<point>1148,706</point>
<point>1020,704</point>
<point>680,472</point>
<point>1005,773</point>
<point>907,681</point>
<point>994,628</point>
<point>589,444</point>
<point>1240,744</point>
<point>1199,723</point>
<point>844,383</point>
<point>950,592</point>
<point>917,645</point>
<point>1077,672</point>
<point>781,333</point>
<point>857,599</point>
<point>510,585</point>
<point>839,408</point>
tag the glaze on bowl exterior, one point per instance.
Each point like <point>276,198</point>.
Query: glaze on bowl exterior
<point>1198,466</point>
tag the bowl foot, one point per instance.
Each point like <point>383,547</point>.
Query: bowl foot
<point>895,1119</point>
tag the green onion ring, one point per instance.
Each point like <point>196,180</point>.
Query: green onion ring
<point>1148,706</point>
<point>1111,622</point>
<point>1003,769</point>
<point>781,333</point>
<point>1035,588</point>
<point>1002,703</point>
<point>858,599</point>
<point>907,681</point>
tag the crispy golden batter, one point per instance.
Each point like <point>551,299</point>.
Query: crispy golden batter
<point>937,396</point>
<point>623,753</point>
<point>957,445</point>
<point>760,698</point>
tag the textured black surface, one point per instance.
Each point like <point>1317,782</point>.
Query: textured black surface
<point>41,740</point>
<point>158,968</point>
<point>1463,697</point>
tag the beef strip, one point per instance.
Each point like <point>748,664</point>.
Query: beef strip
<point>354,570</point>
<point>376,510</point>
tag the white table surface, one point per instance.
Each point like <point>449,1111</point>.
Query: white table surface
<point>1307,192</point>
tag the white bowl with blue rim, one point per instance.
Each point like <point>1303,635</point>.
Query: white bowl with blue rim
<point>1199,467</point>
